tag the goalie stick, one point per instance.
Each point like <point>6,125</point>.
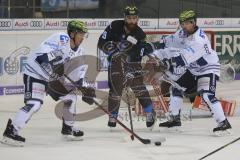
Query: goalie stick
<point>142,140</point>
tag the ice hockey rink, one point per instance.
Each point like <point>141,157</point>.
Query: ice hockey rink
<point>44,141</point>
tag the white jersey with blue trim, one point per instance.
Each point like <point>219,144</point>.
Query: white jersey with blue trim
<point>195,50</point>
<point>59,42</point>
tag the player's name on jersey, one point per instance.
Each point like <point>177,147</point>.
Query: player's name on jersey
<point>100,24</point>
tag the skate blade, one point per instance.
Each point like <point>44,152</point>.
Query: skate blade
<point>175,129</point>
<point>72,138</point>
<point>227,132</point>
<point>111,129</point>
<point>11,142</point>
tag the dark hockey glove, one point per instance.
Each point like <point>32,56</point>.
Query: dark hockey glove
<point>88,94</point>
<point>58,69</point>
<point>56,89</point>
<point>149,47</point>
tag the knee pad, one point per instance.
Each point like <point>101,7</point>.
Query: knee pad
<point>176,92</point>
<point>208,97</point>
<point>31,106</point>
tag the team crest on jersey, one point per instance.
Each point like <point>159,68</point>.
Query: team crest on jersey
<point>64,39</point>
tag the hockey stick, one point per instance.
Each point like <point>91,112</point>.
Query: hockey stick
<point>166,78</point>
<point>220,148</point>
<point>144,141</point>
<point>130,115</point>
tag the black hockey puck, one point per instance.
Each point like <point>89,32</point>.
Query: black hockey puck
<point>158,143</point>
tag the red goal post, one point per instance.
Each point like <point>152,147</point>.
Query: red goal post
<point>157,35</point>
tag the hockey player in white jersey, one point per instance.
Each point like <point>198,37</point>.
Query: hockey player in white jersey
<point>45,66</point>
<point>191,61</point>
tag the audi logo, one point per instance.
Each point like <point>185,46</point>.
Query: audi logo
<point>103,23</point>
<point>5,23</point>
<point>144,23</point>
<point>36,24</point>
<point>63,23</point>
<point>219,22</point>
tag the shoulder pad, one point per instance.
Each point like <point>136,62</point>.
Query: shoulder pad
<point>141,35</point>
<point>117,24</point>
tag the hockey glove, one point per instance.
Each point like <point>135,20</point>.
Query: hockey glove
<point>149,47</point>
<point>88,94</point>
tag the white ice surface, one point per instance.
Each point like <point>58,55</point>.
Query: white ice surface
<point>44,141</point>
